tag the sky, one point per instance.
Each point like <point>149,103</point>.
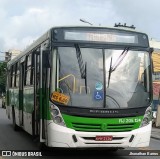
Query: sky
<point>23,21</point>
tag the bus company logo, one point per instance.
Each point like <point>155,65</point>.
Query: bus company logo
<point>21,153</point>
<point>104,127</point>
<point>6,153</point>
<point>104,111</point>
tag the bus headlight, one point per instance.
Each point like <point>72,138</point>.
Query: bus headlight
<point>58,120</point>
<point>55,112</point>
<point>147,117</point>
<point>56,115</point>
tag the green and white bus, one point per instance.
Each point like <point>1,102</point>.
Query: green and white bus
<point>83,87</point>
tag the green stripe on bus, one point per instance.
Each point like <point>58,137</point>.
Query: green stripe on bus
<point>102,124</point>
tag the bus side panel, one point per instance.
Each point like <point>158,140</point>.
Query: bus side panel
<point>8,104</point>
<point>28,107</point>
<point>13,101</point>
<point>47,111</point>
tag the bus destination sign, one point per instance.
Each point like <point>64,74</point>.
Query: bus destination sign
<point>101,37</point>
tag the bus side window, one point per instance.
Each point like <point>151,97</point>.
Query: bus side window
<point>17,75</point>
<point>13,76</point>
<point>28,70</point>
<point>32,70</point>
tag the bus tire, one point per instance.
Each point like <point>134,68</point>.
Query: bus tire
<point>42,146</point>
<point>3,105</point>
<point>15,126</point>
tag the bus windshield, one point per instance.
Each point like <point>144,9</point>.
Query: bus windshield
<point>101,78</point>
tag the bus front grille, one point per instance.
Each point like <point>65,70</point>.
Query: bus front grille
<point>102,127</point>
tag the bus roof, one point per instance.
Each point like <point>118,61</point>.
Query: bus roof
<point>31,47</point>
<point>101,27</point>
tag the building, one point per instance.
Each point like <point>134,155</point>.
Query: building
<point>156,74</point>
<point>7,56</point>
<point>11,54</point>
<point>156,59</point>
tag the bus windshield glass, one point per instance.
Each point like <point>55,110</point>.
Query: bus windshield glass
<point>100,78</point>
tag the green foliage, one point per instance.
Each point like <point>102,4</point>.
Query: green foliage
<point>3,66</point>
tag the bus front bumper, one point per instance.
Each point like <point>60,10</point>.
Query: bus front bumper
<point>59,136</point>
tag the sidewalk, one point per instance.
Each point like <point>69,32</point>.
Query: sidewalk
<point>155,133</point>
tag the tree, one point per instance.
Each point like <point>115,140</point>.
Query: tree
<point>3,66</point>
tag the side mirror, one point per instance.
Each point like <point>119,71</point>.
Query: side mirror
<point>46,59</point>
<point>151,49</point>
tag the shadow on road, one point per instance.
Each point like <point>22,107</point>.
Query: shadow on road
<point>79,153</point>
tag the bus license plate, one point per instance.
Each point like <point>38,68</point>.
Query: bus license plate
<point>104,138</point>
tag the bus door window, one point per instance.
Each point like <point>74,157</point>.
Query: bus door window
<point>28,70</point>
<point>13,76</point>
<point>18,74</point>
<point>32,70</point>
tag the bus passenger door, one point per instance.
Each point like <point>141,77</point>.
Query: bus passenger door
<point>36,111</point>
<point>38,129</point>
<point>44,92</point>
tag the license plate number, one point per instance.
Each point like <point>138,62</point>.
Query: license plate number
<point>104,138</point>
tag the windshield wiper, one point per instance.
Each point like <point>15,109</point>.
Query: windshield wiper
<point>85,77</point>
<point>110,71</point>
<point>82,66</point>
<point>117,63</point>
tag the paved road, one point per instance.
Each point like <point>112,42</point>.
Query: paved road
<point>11,140</point>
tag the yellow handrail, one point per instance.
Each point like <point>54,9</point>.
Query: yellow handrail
<point>74,81</point>
<point>84,87</point>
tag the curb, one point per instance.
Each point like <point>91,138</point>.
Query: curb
<point>155,137</point>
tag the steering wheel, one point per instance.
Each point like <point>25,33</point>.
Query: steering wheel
<point>114,99</point>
